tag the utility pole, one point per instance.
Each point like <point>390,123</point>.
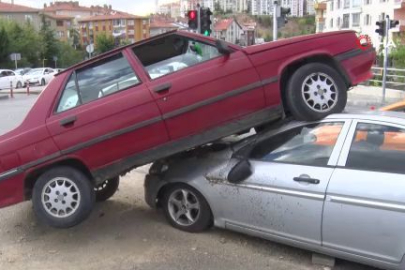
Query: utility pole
<point>384,82</point>
<point>275,28</point>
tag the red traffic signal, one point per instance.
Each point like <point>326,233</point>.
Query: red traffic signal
<point>192,19</point>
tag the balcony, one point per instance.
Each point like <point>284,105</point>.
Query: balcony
<point>399,4</point>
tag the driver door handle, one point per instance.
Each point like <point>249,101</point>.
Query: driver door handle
<point>68,121</point>
<point>162,88</point>
<point>307,180</point>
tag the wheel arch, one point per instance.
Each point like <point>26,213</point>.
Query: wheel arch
<point>33,175</point>
<point>291,67</point>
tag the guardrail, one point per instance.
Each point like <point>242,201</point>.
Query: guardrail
<point>395,78</point>
<point>12,89</point>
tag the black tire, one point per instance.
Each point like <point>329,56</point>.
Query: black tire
<point>43,82</point>
<point>107,189</point>
<point>19,85</point>
<point>300,108</point>
<point>203,220</point>
<point>82,186</point>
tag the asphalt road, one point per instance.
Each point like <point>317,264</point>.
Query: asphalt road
<point>124,233</point>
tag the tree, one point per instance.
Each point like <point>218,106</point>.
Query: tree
<point>68,55</point>
<point>4,45</point>
<point>75,37</point>
<point>49,42</point>
<point>104,43</point>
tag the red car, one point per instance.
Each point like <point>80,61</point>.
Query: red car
<point>101,118</point>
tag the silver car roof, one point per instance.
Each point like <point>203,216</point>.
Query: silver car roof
<point>390,117</point>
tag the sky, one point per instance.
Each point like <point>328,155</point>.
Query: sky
<point>137,7</point>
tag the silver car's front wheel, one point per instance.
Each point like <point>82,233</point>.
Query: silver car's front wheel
<point>319,92</point>
<point>186,209</point>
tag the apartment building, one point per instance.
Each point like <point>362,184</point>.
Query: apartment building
<point>74,9</point>
<point>121,26</point>
<point>362,15</point>
<point>171,9</point>
<point>61,25</point>
<point>20,14</point>
<point>262,7</point>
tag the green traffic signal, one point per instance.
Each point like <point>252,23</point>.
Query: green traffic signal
<point>206,33</point>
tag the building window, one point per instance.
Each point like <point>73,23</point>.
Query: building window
<point>60,34</point>
<point>331,23</point>
<point>8,17</point>
<point>130,22</point>
<point>356,3</point>
<point>383,1</point>
<point>368,2</point>
<point>356,19</point>
<point>28,18</point>
<point>346,21</point>
<point>367,19</point>
<point>59,23</point>
<point>68,24</point>
<point>346,4</point>
<point>339,22</point>
<point>338,4</point>
<point>144,22</point>
<point>96,28</point>
<point>331,5</point>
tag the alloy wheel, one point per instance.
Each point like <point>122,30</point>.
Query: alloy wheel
<point>320,92</point>
<point>184,207</point>
<point>60,197</point>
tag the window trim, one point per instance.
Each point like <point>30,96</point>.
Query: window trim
<point>187,37</point>
<point>334,156</point>
<point>62,89</point>
<point>344,155</point>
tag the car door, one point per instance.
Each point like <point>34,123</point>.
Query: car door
<point>4,80</point>
<point>13,78</point>
<point>284,197</point>
<point>365,205</point>
<point>195,86</point>
<point>106,113</point>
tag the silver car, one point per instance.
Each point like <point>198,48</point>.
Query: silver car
<point>336,187</point>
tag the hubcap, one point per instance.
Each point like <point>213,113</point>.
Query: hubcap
<point>60,197</point>
<point>184,207</point>
<point>319,92</point>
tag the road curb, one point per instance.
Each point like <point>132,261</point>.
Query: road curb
<point>2,97</point>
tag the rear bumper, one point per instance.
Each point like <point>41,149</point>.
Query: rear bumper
<point>12,190</point>
<point>357,64</point>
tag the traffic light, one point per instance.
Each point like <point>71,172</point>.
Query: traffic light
<point>206,21</point>
<point>282,18</point>
<point>393,23</point>
<point>192,19</point>
<point>381,28</point>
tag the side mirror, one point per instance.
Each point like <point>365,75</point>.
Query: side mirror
<point>222,47</point>
<point>240,172</point>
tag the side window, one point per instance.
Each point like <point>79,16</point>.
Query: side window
<point>173,53</point>
<point>3,74</point>
<point>97,80</point>
<point>308,145</point>
<point>377,148</point>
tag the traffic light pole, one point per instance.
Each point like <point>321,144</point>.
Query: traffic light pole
<point>275,27</point>
<point>387,29</point>
<point>199,18</point>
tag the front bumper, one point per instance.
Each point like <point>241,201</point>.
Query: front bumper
<point>153,183</point>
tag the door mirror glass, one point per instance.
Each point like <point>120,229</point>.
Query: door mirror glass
<point>242,171</point>
<point>222,47</point>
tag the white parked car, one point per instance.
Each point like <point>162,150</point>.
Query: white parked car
<point>8,76</point>
<point>41,76</point>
